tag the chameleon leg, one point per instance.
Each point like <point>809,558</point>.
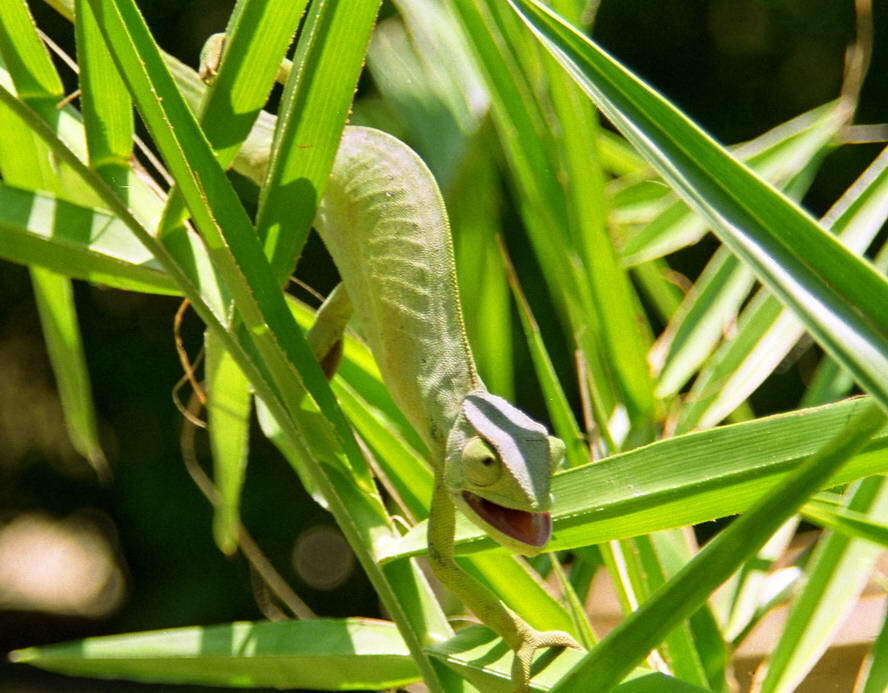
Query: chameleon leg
<point>325,335</point>
<point>515,632</point>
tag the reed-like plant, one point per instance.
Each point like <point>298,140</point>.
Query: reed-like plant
<point>490,93</point>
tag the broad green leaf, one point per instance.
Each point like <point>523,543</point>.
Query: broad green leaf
<point>838,296</point>
<point>836,574</point>
<point>684,480</point>
<point>344,654</point>
<point>228,424</point>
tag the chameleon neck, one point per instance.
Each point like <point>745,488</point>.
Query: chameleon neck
<point>383,221</point>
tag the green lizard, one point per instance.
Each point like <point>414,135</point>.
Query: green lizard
<point>383,220</point>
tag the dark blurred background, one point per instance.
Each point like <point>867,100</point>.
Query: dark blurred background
<point>137,553</point>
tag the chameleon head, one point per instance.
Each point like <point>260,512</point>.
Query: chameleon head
<point>497,468</point>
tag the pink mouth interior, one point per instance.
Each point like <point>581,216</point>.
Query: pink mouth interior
<point>533,529</point>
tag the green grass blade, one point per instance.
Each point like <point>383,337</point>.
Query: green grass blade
<point>630,642</point>
<point>529,150</point>
<point>838,296</point>
<point>563,421</point>
<point>683,480</point>
<point>700,321</point>
<point>256,40</point>
<point>316,103</point>
<point>851,523</point>
<point>344,654</point>
<point>424,71</point>
<point>228,425</point>
<point>35,76</point>
<point>105,102</point>
<point>475,204</point>
<point>79,242</point>
<point>626,342</point>
<point>654,281</point>
<point>750,583</point>
<point>768,333</point>
<point>58,318</point>
<point>778,156</point>
<point>37,84</point>
<point>873,676</point>
<point>837,573</point>
<point>479,656</point>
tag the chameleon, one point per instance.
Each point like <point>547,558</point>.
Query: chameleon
<point>384,223</point>
<point>383,220</point>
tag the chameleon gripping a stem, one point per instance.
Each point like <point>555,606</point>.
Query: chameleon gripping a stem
<point>384,222</point>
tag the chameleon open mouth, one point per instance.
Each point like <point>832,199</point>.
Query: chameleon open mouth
<point>529,528</point>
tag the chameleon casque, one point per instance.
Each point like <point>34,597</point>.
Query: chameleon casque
<point>383,220</point>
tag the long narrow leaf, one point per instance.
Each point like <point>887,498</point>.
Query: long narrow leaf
<point>346,654</point>
<point>839,297</point>
<point>630,642</point>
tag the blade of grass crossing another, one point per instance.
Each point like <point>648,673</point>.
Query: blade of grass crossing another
<point>256,40</point>
<point>852,524</point>
<point>837,572</point>
<point>770,330</point>
<point>838,296</point>
<point>316,103</point>
<point>630,642</point>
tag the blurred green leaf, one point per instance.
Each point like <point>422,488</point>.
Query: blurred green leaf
<point>836,574</point>
<point>345,654</point>
<point>228,423</point>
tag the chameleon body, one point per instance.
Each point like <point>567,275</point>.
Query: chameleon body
<point>384,222</point>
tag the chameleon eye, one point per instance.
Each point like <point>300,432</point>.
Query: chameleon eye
<point>481,466</point>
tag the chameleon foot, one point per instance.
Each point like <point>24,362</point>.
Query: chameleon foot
<point>532,641</point>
